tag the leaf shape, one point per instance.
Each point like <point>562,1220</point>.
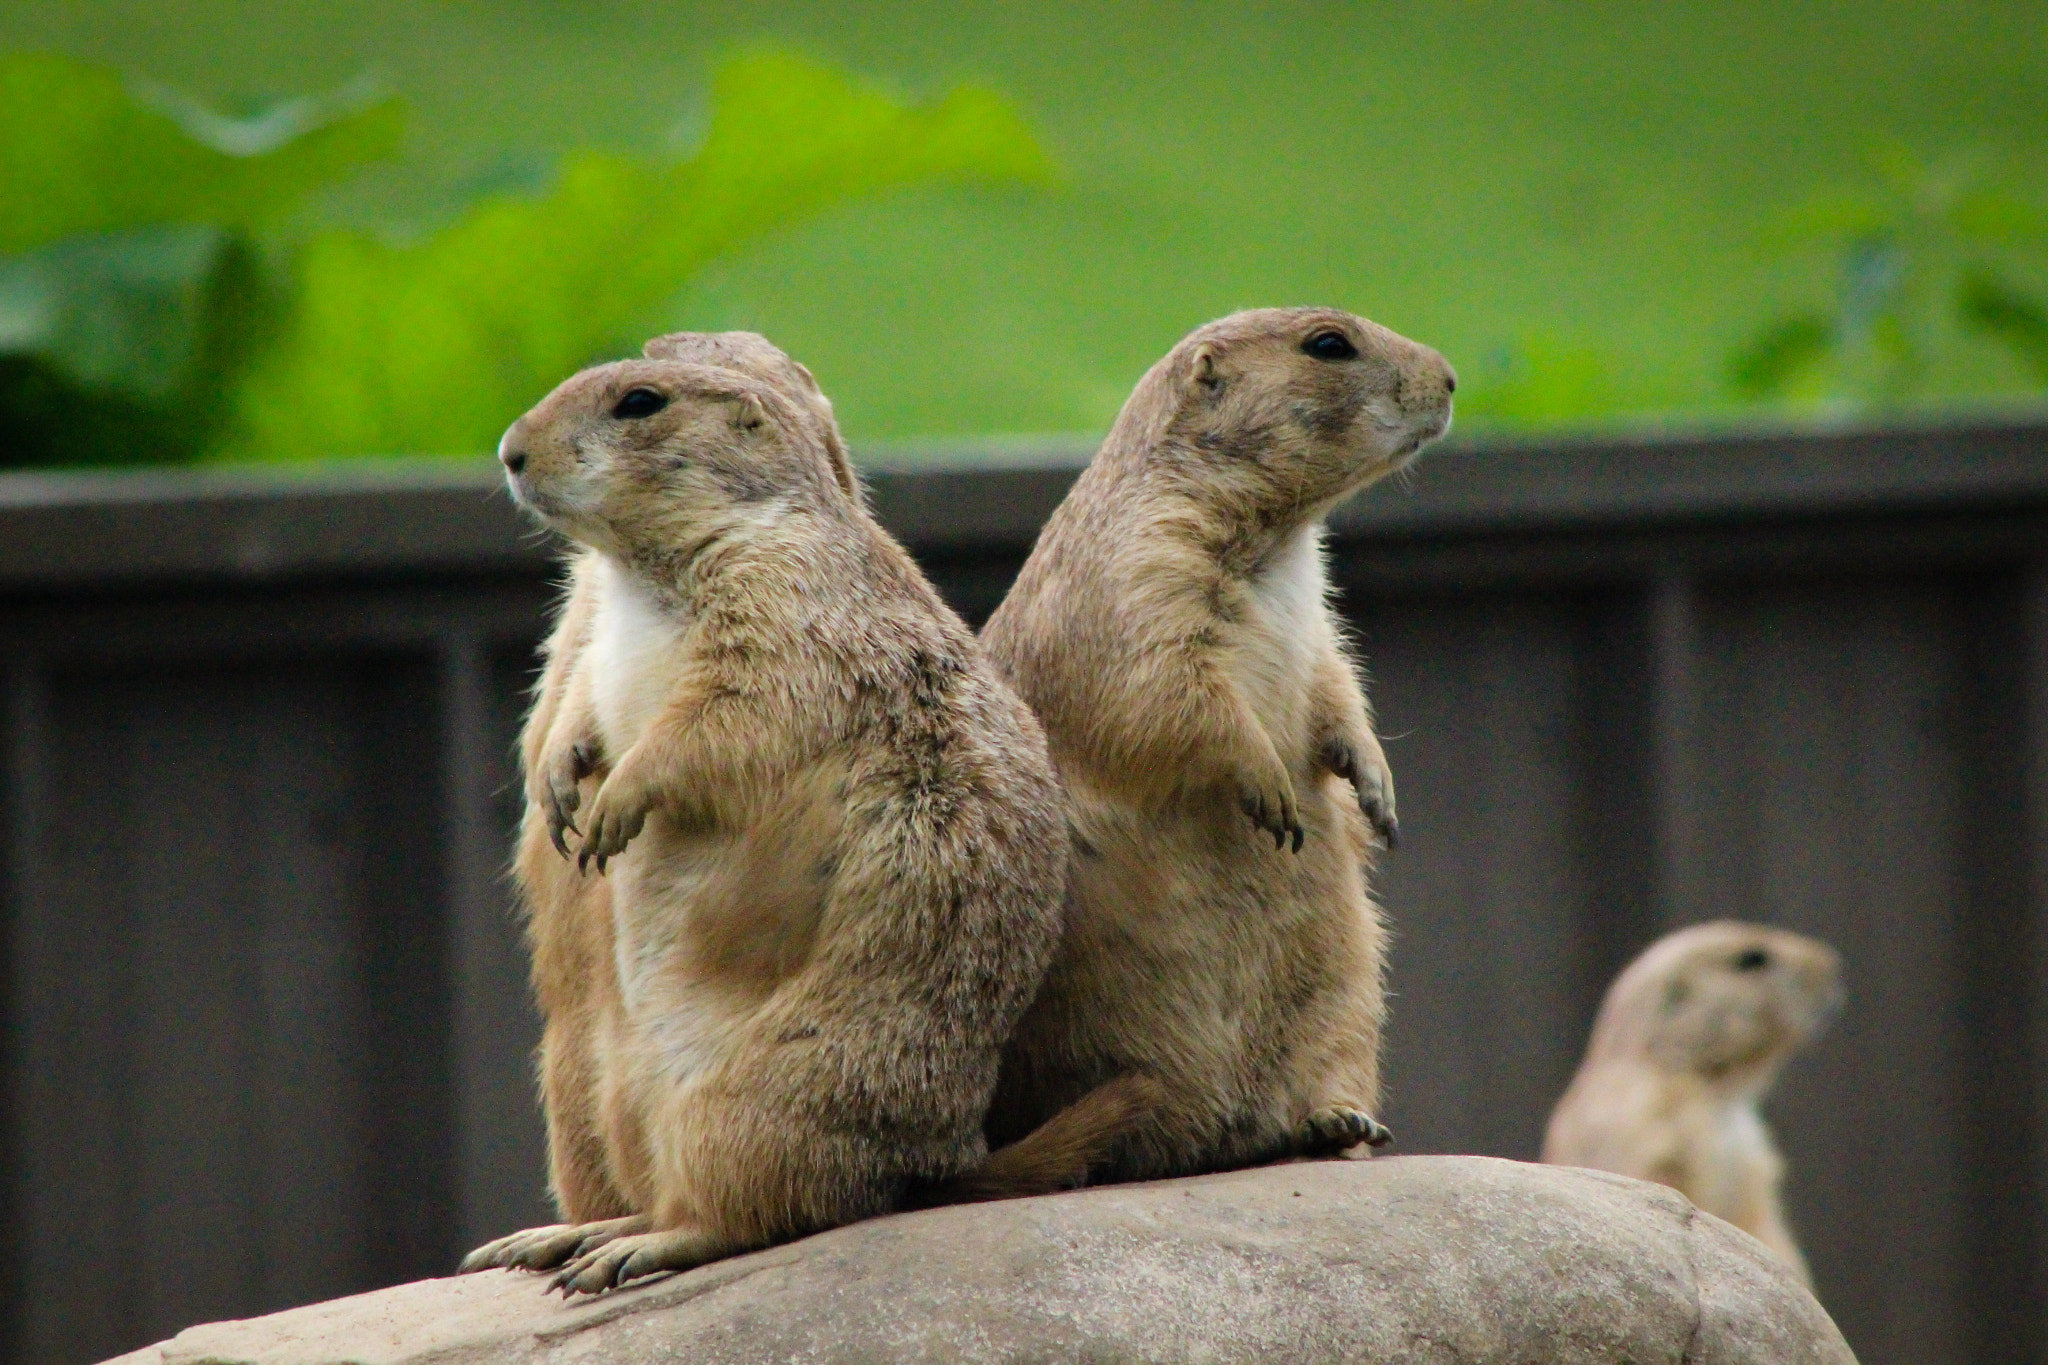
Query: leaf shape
<point>118,347</point>
<point>1995,308</point>
<point>80,154</point>
<point>1767,366</point>
<point>122,312</point>
<point>437,347</point>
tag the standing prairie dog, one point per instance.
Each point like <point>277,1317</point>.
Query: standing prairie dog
<point>1686,1044</point>
<point>1173,633</point>
<point>568,915</point>
<point>831,833</point>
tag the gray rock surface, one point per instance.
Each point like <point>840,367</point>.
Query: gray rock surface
<point>1398,1259</point>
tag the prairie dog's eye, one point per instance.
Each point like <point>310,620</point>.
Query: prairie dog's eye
<point>1330,345</point>
<point>1752,960</point>
<point>639,403</point>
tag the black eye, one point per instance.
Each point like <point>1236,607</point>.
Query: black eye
<point>1753,960</point>
<point>640,403</point>
<point>1330,346</point>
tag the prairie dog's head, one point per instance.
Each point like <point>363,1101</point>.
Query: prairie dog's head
<point>654,457</point>
<point>1726,1001</point>
<point>1291,408</point>
<point>753,354</point>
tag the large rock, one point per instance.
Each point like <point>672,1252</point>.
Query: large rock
<point>1397,1259</point>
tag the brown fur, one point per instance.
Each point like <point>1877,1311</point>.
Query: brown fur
<point>1686,1045</point>
<point>568,915</point>
<point>1172,632</point>
<point>820,857</point>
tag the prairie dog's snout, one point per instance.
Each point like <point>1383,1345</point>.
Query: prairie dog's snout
<point>1423,382</point>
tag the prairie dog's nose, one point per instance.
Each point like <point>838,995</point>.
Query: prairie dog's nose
<point>1444,374</point>
<point>510,451</point>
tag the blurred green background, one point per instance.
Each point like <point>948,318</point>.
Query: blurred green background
<point>267,231</point>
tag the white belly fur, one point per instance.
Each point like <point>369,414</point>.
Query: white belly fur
<point>633,644</point>
<point>1287,636</point>
<point>680,1020</point>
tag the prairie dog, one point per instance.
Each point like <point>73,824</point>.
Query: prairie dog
<point>1172,631</point>
<point>1688,1040</point>
<point>568,915</point>
<point>830,836</point>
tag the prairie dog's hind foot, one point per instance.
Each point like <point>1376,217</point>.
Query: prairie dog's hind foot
<point>1337,1128</point>
<point>544,1248</point>
<point>623,1259</point>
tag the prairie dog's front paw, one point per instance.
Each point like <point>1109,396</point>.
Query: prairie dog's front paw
<point>616,817</point>
<point>1364,766</point>
<point>1268,798</point>
<point>556,789</point>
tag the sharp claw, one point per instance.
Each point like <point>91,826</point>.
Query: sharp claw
<point>1392,832</point>
<point>600,864</point>
<point>561,844</point>
<point>1299,835</point>
<point>1279,838</point>
<point>582,858</point>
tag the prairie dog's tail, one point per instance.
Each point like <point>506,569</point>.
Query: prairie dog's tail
<point>1056,1154</point>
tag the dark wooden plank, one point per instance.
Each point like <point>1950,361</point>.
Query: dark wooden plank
<point>1675,701</point>
<point>500,1146</point>
<point>448,516</point>
<point>1481,702</point>
<point>1830,790</point>
<point>2001,1128</point>
<point>2032,652</point>
<point>75,1186</point>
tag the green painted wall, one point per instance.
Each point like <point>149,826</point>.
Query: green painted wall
<point>1577,202</point>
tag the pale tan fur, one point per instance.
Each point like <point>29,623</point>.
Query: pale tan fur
<point>1172,631</point>
<point>568,915</point>
<point>1686,1044</point>
<point>820,849</point>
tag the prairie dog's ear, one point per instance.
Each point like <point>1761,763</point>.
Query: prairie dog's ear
<point>750,415</point>
<point>804,373</point>
<point>667,347</point>
<point>842,465</point>
<point>1203,370</point>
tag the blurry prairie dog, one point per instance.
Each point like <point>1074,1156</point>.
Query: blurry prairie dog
<point>832,835</point>
<point>1687,1042</point>
<point>1172,631</point>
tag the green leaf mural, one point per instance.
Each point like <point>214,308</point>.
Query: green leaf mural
<point>1922,267</point>
<point>130,294</point>
<point>82,152</point>
<point>436,347</point>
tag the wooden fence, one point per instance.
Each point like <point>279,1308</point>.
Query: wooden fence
<point>267,1031</point>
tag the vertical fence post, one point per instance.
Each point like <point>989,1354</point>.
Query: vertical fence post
<point>1674,677</point>
<point>22,777</point>
<point>498,1179</point>
<point>2034,954</point>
